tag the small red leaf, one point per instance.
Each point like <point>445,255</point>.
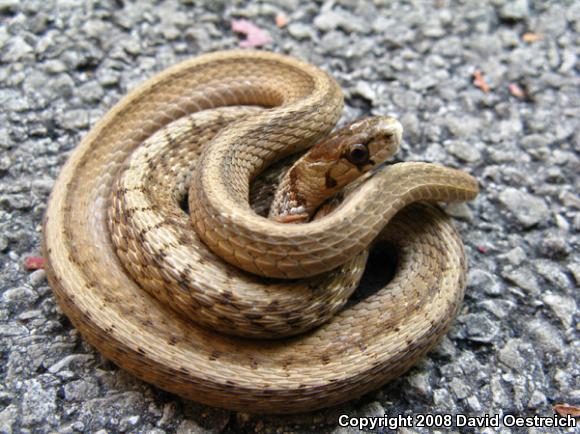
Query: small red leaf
<point>516,91</point>
<point>255,36</point>
<point>281,20</point>
<point>34,263</point>
<point>567,410</point>
<point>532,37</point>
<point>480,82</point>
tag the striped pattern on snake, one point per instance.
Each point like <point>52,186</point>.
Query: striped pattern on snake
<point>359,348</point>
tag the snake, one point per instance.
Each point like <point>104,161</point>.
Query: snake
<point>161,252</point>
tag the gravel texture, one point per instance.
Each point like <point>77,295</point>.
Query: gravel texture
<point>514,348</point>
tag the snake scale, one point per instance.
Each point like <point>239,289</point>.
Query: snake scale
<point>141,280</point>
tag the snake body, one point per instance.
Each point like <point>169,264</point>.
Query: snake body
<point>174,327</point>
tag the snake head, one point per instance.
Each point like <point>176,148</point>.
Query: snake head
<point>334,162</point>
<point>371,141</point>
<point>356,148</point>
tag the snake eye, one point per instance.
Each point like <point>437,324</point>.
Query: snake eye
<point>358,154</point>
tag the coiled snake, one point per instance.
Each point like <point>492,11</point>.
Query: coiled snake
<point>183,319</point>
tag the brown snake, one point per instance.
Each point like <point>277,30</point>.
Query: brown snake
<point>355,350</point>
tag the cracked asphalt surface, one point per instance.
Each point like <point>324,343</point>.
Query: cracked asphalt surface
<point>491,87</point>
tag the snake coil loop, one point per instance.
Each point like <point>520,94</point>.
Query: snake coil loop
<point>151,294</point>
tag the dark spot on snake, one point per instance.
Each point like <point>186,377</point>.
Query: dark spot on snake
<point>170,139</point>
<point>234,305</point>
<point>184,284</point>
<point>274,305</point>
<point>330,181</point>
<point>160,255</point>
<point>204,302</point>
<point>159,224</point>
<point>254,316</point>
<point>214,355</point>
<point>227,294</point>
<point>185,240</point>
<point>229,274</point>
<point>184,277</point>
<point>225,319</point>
<point>147,323</point>
<point>286,364</point>
<point>121,351</point>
